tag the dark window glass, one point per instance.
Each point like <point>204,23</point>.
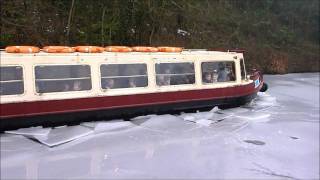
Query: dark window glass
<point>222,71</point>
<point>174,73</point>
<point>115,76</point>
<point>61,78</point>
<point>11,80</point>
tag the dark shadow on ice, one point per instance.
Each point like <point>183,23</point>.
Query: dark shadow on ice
<point>292,137</point>
<point>255,142</point>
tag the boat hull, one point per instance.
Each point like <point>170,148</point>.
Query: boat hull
<point>71,111</point>
<point>71,118</point>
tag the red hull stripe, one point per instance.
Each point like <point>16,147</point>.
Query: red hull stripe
<point>110,102</point>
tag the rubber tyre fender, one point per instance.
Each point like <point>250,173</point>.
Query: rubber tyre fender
<point>264,87</point>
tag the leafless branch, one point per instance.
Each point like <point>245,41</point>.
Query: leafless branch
<point>69,21</point>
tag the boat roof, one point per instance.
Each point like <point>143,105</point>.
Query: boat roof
<point>184,52</point>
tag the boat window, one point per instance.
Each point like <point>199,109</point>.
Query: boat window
<point>174,73</point>
<point>62,78</point>
<point>115,76</point>
<point>222,71</point>
<point>11,80</point>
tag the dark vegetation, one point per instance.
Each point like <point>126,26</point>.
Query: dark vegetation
<point>279,36</point>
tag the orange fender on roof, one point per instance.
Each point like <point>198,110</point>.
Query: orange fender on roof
<point>89,49</point>
<point>170,49</point>
<point>58,49</point>
<point>145,49</point>
<point>22,49</point>
<point>118,49</point>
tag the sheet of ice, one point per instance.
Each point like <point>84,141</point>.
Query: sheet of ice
<point>233,111</point>
<point>64,134</point>
<point>215,109</point>
<point>107,126</point>
<point>254,116</point>
<point>265,99</point>
<point>144,117</point>
<point>32,131</point>
<point>189,118</point>
<point>213,115</point>
<point>194,116</point>
<point>229,125</point>
<point>262,102</point>
<point>204,122</point>
<point>165,123</point>
<point>219,116</point>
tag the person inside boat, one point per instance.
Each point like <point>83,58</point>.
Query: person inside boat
<point>207,78</point>
<point>163,79</point>
<point>132,83</point>
<point>77,86</point>
<point>66,87</point>
<point>215,76</point>
<point>109,84</point>
<point>223,74</point>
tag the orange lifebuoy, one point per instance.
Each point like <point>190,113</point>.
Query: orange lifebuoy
<point>118,49</point>
<point>22,49</point>
<point>145,49</point>
<point>89,49</point>
<point>58,49</point>
<point>169,49</point>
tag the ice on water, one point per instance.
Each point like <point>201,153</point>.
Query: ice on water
<point>108,126</point>
<point>233,111</point>
<point>63,135</point>
<point>276,136</point>
<point>33,131</point>
<point>160,123</point>
<point>204,122</point>
<point>165,123</point>
<point>253,115</point>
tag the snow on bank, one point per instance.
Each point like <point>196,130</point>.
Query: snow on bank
<point>276,136</point>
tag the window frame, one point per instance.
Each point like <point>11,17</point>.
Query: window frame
<point>218,83</point>
<point>23,80</point>
<point>128,88</point>
<point>159,61</point>
<point>60,92</point>
<point>243,70</point>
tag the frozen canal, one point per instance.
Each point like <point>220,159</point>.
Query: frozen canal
<point>274,137</point>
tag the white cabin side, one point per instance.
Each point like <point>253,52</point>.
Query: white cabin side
<point>94,61</point>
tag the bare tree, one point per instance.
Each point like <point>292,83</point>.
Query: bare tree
<point>102,25</point>
<point>68,27</point>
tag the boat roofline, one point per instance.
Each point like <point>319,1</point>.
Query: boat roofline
<point>184,52</point>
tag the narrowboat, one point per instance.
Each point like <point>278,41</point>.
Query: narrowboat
<point>59,85</point>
